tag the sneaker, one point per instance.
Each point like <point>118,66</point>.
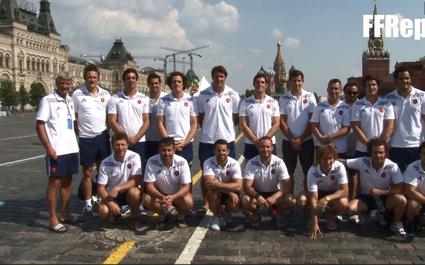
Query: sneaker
<point>410,228</point>
<point>398,229</point>
<point>354,219</point>
<point>339,218</point>
<point>87,211</point>
<point>125,210</point>
<point>331,225</point>
<point>380,219</point>
<point>280,222</point>
<point>215,223</point>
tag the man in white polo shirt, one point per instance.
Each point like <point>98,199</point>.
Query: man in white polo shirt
<point>409,109</point>
<point>119,175</point>
<point>330,122</point>
<point>223,181</point>
<point>296,108</point>
<point>177,116</point>
<point>152,135</point>
<point>258,116</point>
<point>55,128</point>
<point>381,184</point>
<point>128,112</point>
<point>218,108</point>
<point>266,184</point>
<point>167,184</point>
<point>372,117</point>
<point>91,102</point>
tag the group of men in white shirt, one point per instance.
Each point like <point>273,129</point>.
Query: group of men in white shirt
<point>149,123</point>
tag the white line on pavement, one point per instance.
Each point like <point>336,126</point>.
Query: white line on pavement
<point>17,137</point>
<point>192,246</point>
<point>21,160</point>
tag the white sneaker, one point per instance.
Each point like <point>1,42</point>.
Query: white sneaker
<point>215,223</point>
<point>354,219</point>
<point>398,229</point>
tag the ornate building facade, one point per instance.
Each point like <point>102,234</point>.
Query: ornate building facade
<point>31,51</point>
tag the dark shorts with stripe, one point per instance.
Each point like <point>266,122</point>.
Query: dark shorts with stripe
<point>94,149</point>
<point>207,150</point>
<point>63,166</point>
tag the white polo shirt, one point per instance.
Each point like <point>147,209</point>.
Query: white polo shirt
<point>318,181</point>
<point>113,173</point>
<point>297,110</point>
<point>177,114</point>
<point>91,111</point>
<point>330,120</point>
<point>218,113</point>
<point>415,176</point>
<point>259,114</point>
<point>232,169</point>
<point>152,134</point>
<point>129,111</point>
<point>167,180</point>
<point>408,112</point>
<point>371,118</point>
<point>266,178</point>
<point>59,116</point>
<point>389,174</point>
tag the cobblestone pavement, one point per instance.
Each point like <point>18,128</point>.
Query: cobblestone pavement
<point>24,237</point>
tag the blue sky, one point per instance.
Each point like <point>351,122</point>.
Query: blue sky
<point>321,38</point>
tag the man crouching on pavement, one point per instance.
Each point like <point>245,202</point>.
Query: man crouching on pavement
<point>266,184</point>
<point>223,180</point>
<point>167,182</point>
<point>117,184</point>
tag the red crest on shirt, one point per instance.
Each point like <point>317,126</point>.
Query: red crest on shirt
<point>129,166</point>
<point>332,177</point>
<point>53,169</point>
<point>227,173</point>
<point>102,99</point>
<point>139,101</point>
<point>415,101</point>
<point>268,106</point>
<point>383,174</point>
<point>305,101</point>
<point>273,171</point>
<point>176,173</point>
<point>340,112</point>
<point>227,100</point>
<point>381,109</point>
<point>186,104</point>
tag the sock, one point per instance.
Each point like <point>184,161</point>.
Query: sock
<point>88,202</point>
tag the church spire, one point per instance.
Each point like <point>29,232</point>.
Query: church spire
<point>279,70</point>
<point>45,19</point>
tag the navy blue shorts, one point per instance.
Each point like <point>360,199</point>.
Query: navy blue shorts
<point>94,149</point>
<point>151,148</point>
<point>290,156</point>
<point>370,201</point>
<point>187,153</point>
<point>63,166</point>
<point>404,156</point>
<point>140,148</point>
<point>207,150</point>
<point>251,151</point>
<point>361,154</point>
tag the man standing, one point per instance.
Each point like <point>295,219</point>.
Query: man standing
<point>223,181</point>
<point>119,175</point>
<point>177,116</point>
<point>330,122</point>
<point>217,114</point>
<point>258,116</point>
<point>90,103</point>
<point>152,135</point>
<point>409,109</point>
<point>55,128</point>
<point>128,112</point>
<point>372,117</point>
<point>296,107</point>
<point>167,184</point>
<point>266,184</point>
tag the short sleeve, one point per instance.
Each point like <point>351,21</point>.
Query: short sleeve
<point>185,177</point>
<point>342,176</point>
<point>242,108</point>
<point>275,105</point>
<point>355,163</point>
<point>235,103</point>
<point>312,103</point>
<point>112,106</point>
<point>137,166</point>
<point>315,116</point>
<point>282,103</point>
<point>249,170</point>
<point>149,172</point>
<point>43,113</point>
<point>389,112</point>
<point>311,184</point>
<point>146,108</point>
<point>282,171</point>
<point>102,178</point>
<point>208,170</point>
<point>410,176</point>
<point>396,177</point>
<point>75,100</point>
<point>160,108</point>
<point>200,104</point>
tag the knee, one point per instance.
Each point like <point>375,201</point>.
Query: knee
<point>103,211</point>
<point>301,201</point>
<point>133,194</point>
<point>351,208</point>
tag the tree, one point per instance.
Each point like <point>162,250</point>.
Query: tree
<point>37,92</point>
<point>23,97</point>
<point>8,94</point>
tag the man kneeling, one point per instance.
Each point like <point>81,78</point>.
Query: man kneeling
<point>167,184</point>
<point>266,184</point>
<point>223,180</point>
<point>119,175</point>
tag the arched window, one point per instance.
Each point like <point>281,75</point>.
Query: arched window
<point>47,66</point>
<point>38,65</point>
<point>28,64</point>
<point>1,59</point>
<point>7,60</point>
<point>33,64</point>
